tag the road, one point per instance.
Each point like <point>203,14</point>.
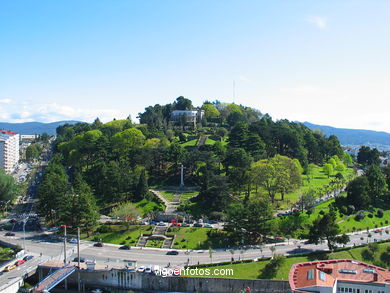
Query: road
<point>112,256</point>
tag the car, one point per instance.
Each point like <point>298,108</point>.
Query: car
<point>125,247</point>
<point>9,234</point>
<point>28,257</point>
<point>9,268</point>
<point>148,270</point>
<point>153,223</point>
<point>97,290</point>
<point>20,262</point>
<point>53,229</point>
<point>76,259</point>
<point>98,244</point>
<point>161,224</point>
<point>73,241</point>
<point>377,230</point>
<point>198,225</point>
<point>141,269</point>
<point>207,225</point>
<point>172,252</point>
<point>185,225</point>
<point>12,221</point>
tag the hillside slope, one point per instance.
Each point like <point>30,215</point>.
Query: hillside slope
<point>34,127</point>
<point>354,136</point>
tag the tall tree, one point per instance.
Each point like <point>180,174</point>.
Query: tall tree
<point>358,193</point>
<point>326,228</point>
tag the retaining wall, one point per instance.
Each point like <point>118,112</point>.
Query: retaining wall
<point>132,280</point>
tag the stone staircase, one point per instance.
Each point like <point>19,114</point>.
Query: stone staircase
<point>142,241</point>
<point>168,242</point>
<point>159,230</point>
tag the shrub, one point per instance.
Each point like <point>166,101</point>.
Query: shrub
<point>343,210</point>
<point>386,222</point>
<point>360,215</point>
<point>270,270</point>
<point>322,213</point>
<point>379,213</point>
<point>351,209</point>
<point>367,254</point>
<point>370,215</point>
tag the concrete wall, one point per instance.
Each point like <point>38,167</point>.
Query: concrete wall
<point>11,287</point>
<point>131,280</point>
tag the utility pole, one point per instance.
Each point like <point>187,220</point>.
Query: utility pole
<point>78,258</point>
<point>65,281</point>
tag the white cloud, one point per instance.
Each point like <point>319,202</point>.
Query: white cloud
<point>320,21</point>
<point>5,101</point>
<point>27,111</point>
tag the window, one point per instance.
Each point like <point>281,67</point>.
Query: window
<point>350,290</point>
<point>348,271</point>
<point>322,276</point>
<point>310,274</point>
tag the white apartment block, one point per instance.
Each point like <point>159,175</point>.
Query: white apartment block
<point>9,150</point>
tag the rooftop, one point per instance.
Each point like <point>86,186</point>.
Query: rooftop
<point>325,273</point>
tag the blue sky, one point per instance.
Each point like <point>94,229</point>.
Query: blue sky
<point>326,62</point>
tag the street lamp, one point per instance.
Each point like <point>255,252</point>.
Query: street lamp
<point>65,226</point>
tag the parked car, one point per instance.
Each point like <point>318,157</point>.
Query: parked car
<point>73,241</point>
<point>377,230</point>
<point>76,259</point>
<point>12,221</point>
<point>172,252</point>
<point>207,225</point>
<point>153,223</point>
<point>198,225</point>
<point>9,268</point>
<point>148,270</point>
<point>125,247</point>
<point>162,224</point>
<point>20,262</point>
<point>186,225</point>
<point>141,269</point>
<point>98,244</point>
<point>28,257</point>
<point>97,290</point>
<point>9,234</point>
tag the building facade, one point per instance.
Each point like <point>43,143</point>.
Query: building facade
<point>339,276</point>
<point>190,116</point>
<point>9,150</point>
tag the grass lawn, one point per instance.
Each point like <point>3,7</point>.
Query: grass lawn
<point>209,141</point>
<point>118,234</point>
<point>169,195</point>
<point>197,238</point>
<point>6,254</point>
<point>253,270</point>
<point>346,223</point>
<point>154,243</point>
<point>317,181</point>
<point>189,143</point>
<point>146,206</point>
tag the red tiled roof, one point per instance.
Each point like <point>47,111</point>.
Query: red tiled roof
<point>298,273</point>
<point>3,131</point>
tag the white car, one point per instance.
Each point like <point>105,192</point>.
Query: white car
<point>207,225</point>
<point>162,224</point>
<point>73,241</point>
<point>141,269</point>
<point>148,270</point>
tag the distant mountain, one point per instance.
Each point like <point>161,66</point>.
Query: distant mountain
<point>354,136</point>
<point>34,127</point>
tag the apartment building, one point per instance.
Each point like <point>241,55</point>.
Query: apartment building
<point>339,276</point>
<point>9,150</point>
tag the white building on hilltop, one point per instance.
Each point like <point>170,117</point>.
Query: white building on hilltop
<point>191,116</point>
<point>9,150</point>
